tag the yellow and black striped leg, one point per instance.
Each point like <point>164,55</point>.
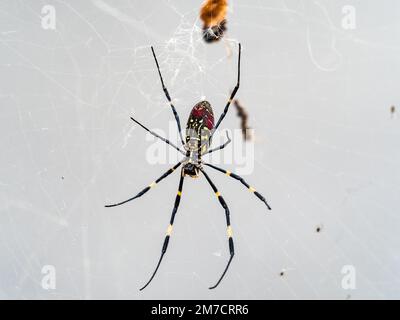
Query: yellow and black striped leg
<point>169,98</point>
<point>228,227</point>
<point>169,229</point>
<point>232,94</point>
<point>222,116</point>
<point>235,176</point>
<point>151,185</point>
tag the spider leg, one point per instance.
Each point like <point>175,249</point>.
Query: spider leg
<point>153,184</point>
<point>222,116</point>
<point>169,229</point>
<point>228,227</point>
<point>221,146</point>
<point>239,178</point>
<point>168,98</point>
<point>232,94</point>
<point>158,136</point>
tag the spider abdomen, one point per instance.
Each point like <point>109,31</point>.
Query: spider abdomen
<point>199,126</point>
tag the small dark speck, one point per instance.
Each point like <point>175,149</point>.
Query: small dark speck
<point>62,177</point>
<point>318,229</point>
<point>392,109</point>
<point>282,273</point>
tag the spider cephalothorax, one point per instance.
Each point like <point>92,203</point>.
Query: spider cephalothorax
<point>199,131</point>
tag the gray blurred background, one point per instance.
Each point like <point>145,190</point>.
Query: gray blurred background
<point>319,80</point>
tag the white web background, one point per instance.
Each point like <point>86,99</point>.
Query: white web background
<point>326,150</point>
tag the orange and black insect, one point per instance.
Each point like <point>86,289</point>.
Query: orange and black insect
<point>213,15</point>
<point>199,131</point>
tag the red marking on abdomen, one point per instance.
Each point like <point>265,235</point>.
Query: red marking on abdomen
<point>203,110</point>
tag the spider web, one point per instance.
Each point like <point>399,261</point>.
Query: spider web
<point>325,150</point>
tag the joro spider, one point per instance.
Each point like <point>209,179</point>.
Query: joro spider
<point>199,131</point>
